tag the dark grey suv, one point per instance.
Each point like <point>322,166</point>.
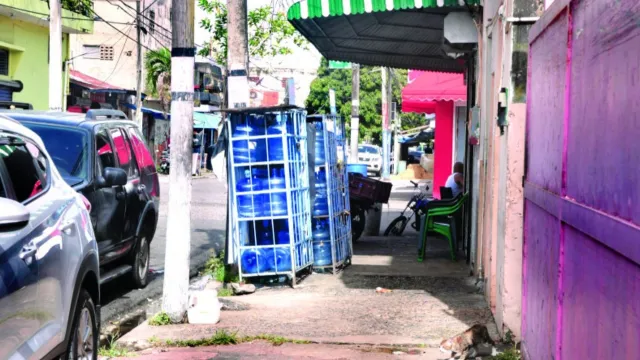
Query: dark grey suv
<point>49,272</point>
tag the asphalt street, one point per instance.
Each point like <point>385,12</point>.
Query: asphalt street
<point>208,214</point>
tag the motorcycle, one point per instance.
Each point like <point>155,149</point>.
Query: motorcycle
<point>416,206</point>
<point>164,162</point>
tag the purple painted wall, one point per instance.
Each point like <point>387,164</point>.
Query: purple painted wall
<point>581,266</point>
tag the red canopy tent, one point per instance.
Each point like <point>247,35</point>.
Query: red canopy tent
<point>425,88</point>
<point>434,92</point>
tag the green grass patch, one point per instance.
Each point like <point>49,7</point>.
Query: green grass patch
<point>112,350</point>
<point>223,337</point>
<point>274,339</point>
<point>509,354</point>
<point>216,268</point>
<point>160,319</point>
<point>225,292</point>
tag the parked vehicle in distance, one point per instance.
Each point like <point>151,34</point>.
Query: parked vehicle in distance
<point>103,156</point>
<point>372,156</point>
<point>49,264</point>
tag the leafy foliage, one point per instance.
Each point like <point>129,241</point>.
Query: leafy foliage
<point>160,319</point>
<point>216,268</point>
<point>78,6</point>
<point>370,98</point>
<point>157,64</point>
<point>269,32</point>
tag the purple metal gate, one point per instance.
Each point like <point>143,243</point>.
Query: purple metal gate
<point>581,275</point>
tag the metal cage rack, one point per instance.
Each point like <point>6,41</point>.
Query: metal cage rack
<point>269,192</point>
<point>332,252</point>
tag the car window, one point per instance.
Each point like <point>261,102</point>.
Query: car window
<point>68,149</point>
<point>105,151</point>
<point>27,168</point>
<point>123,150</point>
<point>143,156</point>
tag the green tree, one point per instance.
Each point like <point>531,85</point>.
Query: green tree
<point>157,64</point>
<point>370,97</point>
<point>269,32</point>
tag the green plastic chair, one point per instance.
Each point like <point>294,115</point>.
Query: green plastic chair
<point>436,211</point>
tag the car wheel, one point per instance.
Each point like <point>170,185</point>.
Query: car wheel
<point>141,257</point>
<point>84,333</point>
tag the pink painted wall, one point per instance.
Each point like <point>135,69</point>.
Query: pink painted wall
<point>442,162</point>
<point>582,195</point>
<point>511,283</point>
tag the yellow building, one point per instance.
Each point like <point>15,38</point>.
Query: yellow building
<point>24,48</point>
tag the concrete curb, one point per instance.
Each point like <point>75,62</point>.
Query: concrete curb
<point>140,338</point>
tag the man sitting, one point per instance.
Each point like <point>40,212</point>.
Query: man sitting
<point>455,181</point>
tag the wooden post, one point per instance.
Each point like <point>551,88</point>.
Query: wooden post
<point>176,279</point>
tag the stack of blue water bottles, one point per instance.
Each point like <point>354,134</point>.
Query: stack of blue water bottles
<point>270,192</point>
<point>331,224</point>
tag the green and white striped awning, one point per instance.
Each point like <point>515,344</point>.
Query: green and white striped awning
<point>394,33</point>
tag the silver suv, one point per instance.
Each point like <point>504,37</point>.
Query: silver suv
<point>49,287</point>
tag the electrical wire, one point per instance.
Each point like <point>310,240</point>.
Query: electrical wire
<point>147,31</point>
<point>117,61</point>
<point>141,14</point>
<point>118,30</point>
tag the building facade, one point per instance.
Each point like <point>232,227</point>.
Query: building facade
<point>110,52</point>
<point>24,49</point>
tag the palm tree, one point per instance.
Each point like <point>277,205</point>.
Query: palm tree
<point>158,66</point>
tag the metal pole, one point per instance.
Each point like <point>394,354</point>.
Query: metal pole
<point>55,56</point>
<point>176,280</point>
<point>386,132</point>
<point>355,111</point>
<point>138,67</point>
<point>396,145</point>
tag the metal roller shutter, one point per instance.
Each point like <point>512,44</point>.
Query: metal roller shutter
<point>6,94</point>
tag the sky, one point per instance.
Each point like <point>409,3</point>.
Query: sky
<point>302,59</point>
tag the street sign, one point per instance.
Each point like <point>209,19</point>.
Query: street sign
<point>339,65</point>
<point>332,101</point>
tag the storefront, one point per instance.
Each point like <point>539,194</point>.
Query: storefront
<point>431,35</point>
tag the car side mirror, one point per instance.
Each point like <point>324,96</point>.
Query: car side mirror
<point>14,216</point>
<point>112,177</point>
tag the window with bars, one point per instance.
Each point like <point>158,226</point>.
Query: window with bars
<point>152,21</point>
<point>4,62</point>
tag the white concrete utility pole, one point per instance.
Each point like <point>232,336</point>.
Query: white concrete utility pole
<point>55,55</point>
<point>176,279</point>
<point>386,113</point>
<point>237,54</point>
<point>138,66</point>
<point>355,111</point>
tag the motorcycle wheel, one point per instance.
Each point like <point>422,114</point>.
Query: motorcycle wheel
<point>357,222</point>
<point>396,228</point>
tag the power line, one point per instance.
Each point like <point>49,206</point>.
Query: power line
<point>118,30</point>
<point>117,62</point>
<point>141,14</point>
<point>135,18</point>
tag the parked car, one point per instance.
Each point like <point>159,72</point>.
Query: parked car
<point>49,271</point>
<point>103,156</point>
<point>372,156</point>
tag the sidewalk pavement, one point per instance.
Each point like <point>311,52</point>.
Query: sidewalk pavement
<point>429,301</point>
<point>266,351</point>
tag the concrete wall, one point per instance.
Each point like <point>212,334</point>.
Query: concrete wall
<point>29,64</point>
<point>501,160</point>
<point>121,71</point>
